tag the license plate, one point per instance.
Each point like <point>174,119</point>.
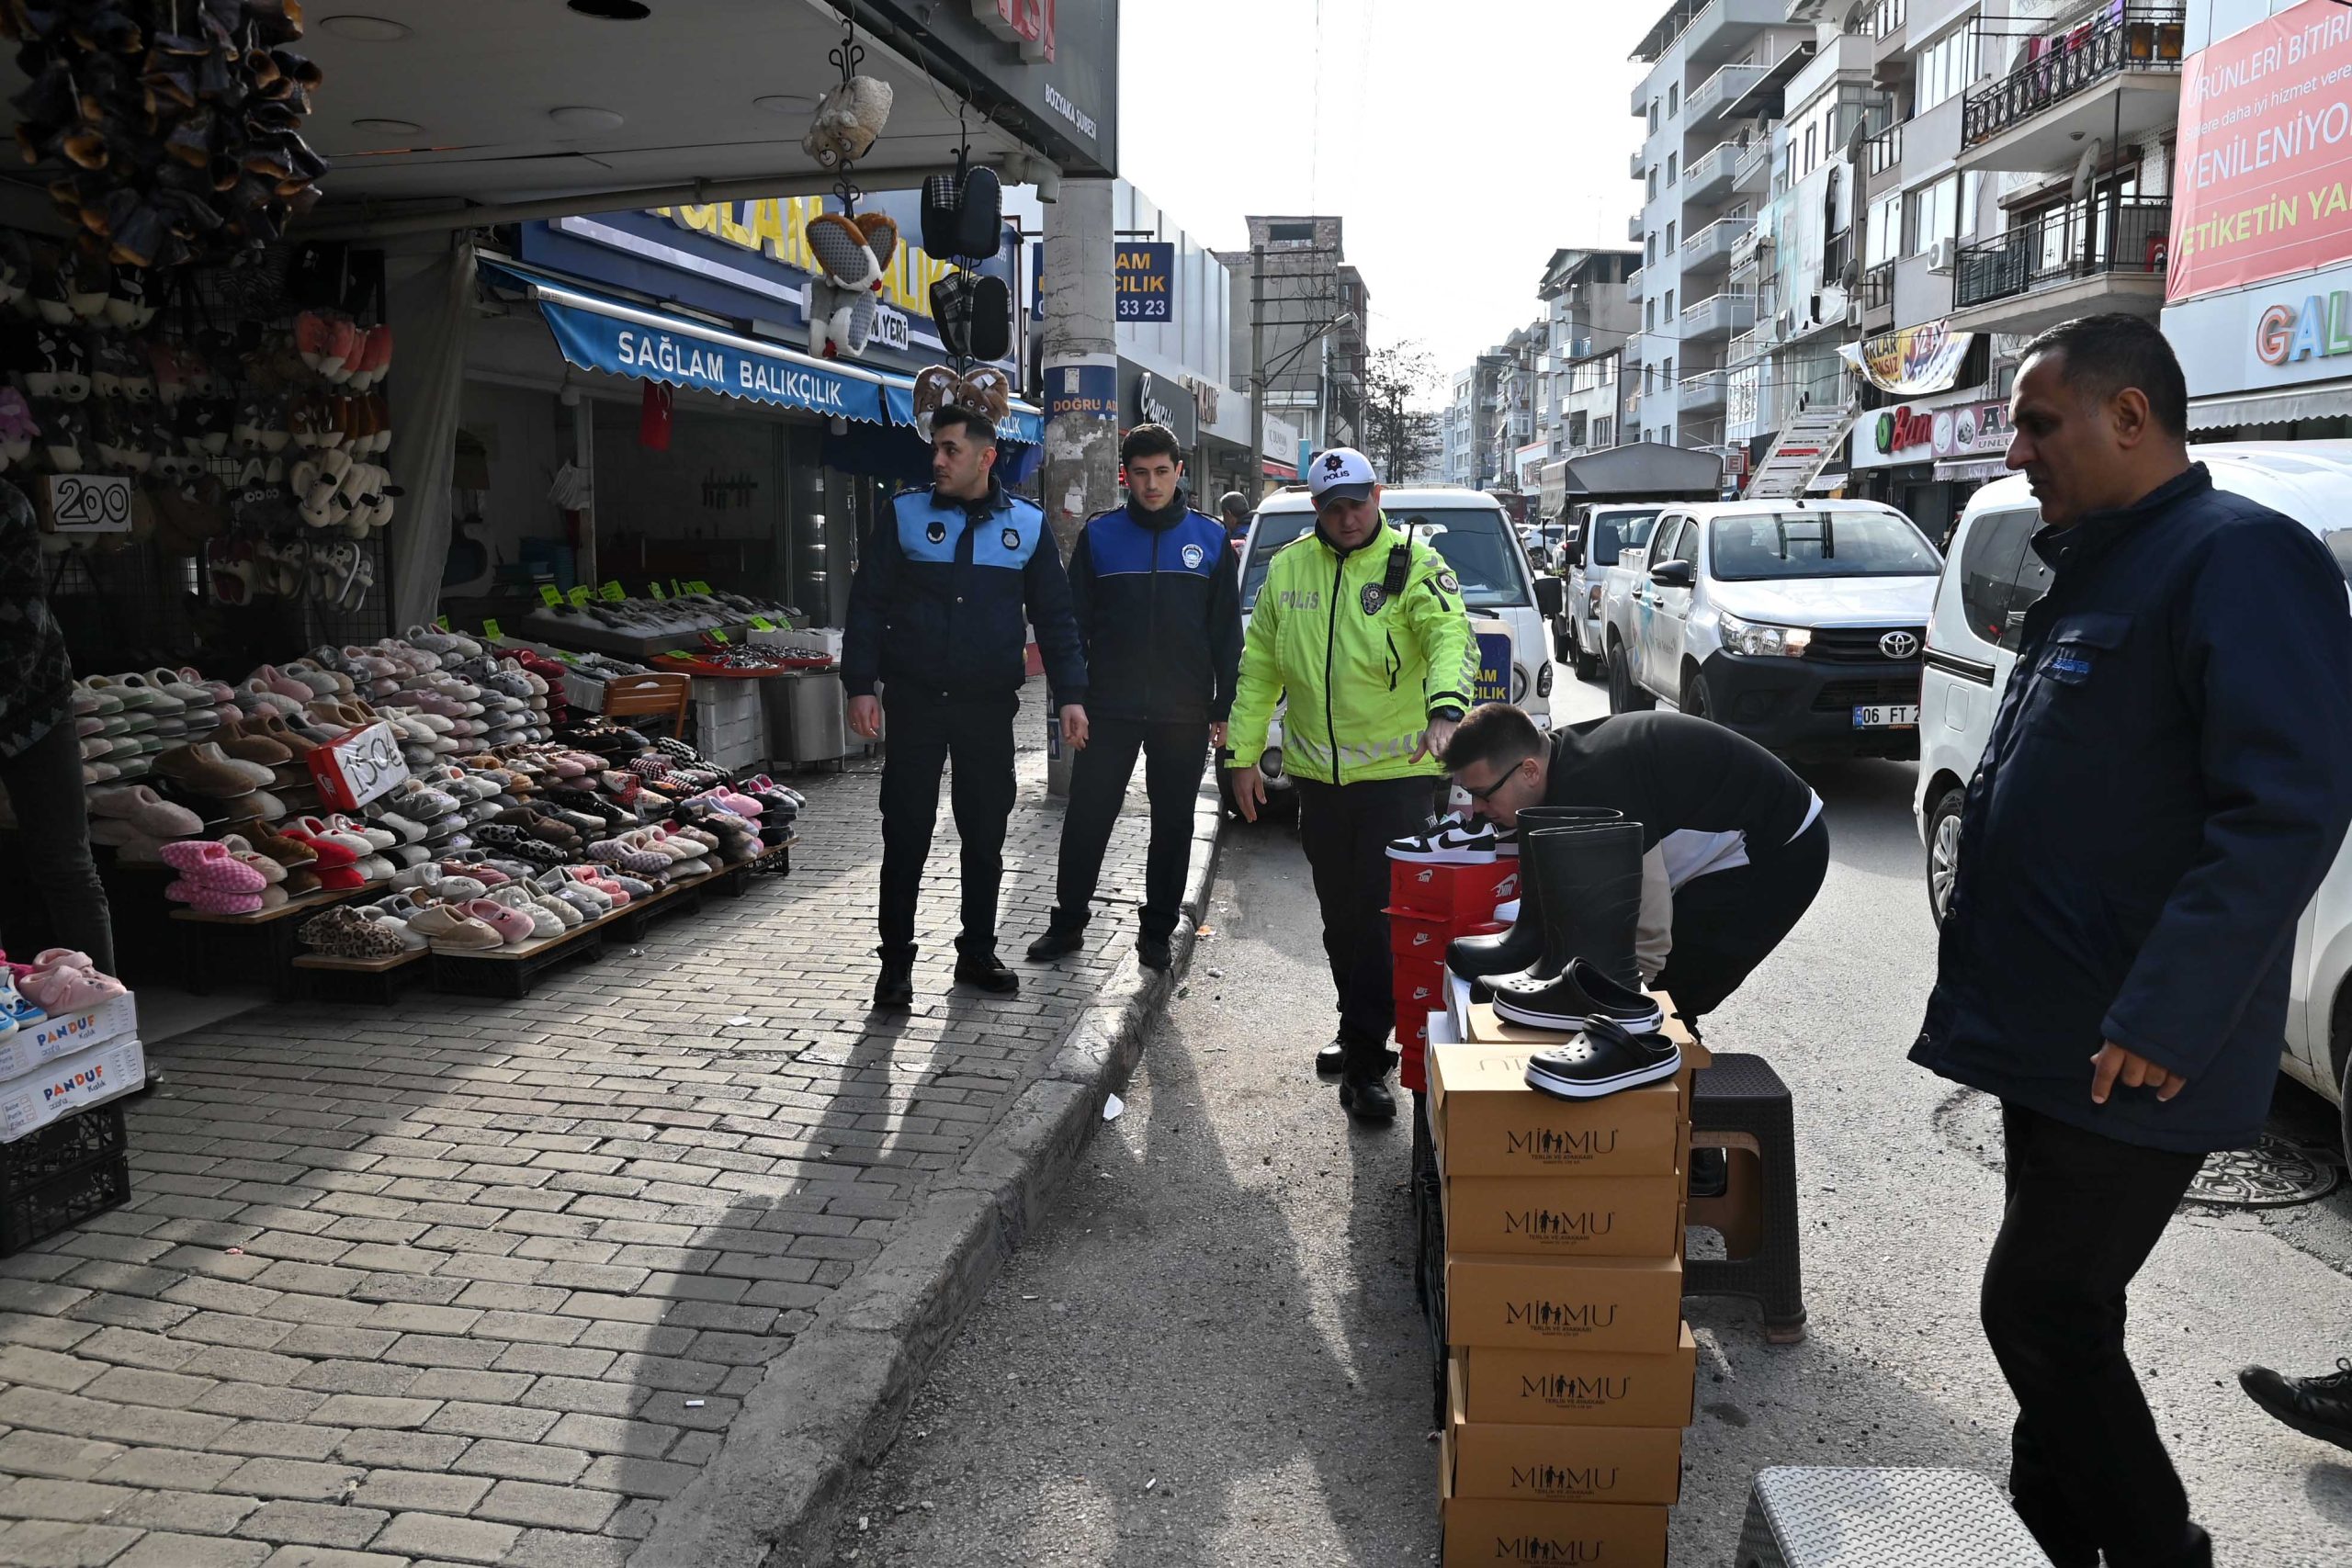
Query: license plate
<point>1895,715</point>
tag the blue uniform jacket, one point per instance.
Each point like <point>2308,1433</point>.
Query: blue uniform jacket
<point>1159,605</point>
<point>943,598</point>
<point>2168,779</point>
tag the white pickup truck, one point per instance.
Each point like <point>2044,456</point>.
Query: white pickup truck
<point>1798,623</point>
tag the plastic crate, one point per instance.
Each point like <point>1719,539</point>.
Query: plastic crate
<point>61,1147</point>
<point>61,1202</point>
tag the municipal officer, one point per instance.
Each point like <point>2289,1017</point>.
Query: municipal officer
<point>1366,631</point>
<point>1159,599</point>
<point>936,617</point>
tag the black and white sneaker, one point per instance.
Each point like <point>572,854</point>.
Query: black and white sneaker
<point>1578,992</point>
<point>1450,843</point>
<point>1604,1059</point>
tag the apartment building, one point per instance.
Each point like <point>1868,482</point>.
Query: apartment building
<point>1472,456</point>
<point>1589,314</point>
<point>1310,309</point>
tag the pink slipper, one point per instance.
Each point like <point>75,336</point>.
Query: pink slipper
<point>204,864</point>
<point>63,988</point>
<point>513,925</point>
<point>212,900</point>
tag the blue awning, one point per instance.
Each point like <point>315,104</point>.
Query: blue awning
<point>1022,425</point>
<point>597,331</point>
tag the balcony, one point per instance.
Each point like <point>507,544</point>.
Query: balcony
<point>2062,264</point>
<point>1633,286</point>
<point>1753,176</point>
<point>1727,86</point>
<point>1710,30</point>
<point>1641,163</point>
<point>1704,390</point>
<point>1634,229</point>
<point>1710,250</point>
<point>1883,157</point>
<point>1708,177</point>
<point>2115,79</point>
<point>1718,317</point>
<point>1751,346</point>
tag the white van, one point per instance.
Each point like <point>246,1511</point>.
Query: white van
<point>1511,608</point>
<point>1991,577</point>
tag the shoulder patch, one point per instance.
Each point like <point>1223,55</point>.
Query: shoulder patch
<point>1447,581</point>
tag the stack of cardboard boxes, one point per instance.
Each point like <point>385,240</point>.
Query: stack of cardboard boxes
<point>62,1143</point>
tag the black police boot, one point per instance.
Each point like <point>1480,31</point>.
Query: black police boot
<point>1153,952</point>
<point>2318,1407</point>
<point>1363,1083</point>
<point>894,988</point>
<point>1330,1059</point>
<point>1061,937</point>
<point>984,972</point>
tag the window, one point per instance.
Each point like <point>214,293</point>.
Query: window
<point>1945,69</point>
<point>1884,240</point>
<point>1673,168</point>
<point>1661,545</point>
<point>1653,117</point>
<point>1673,99</point>
<point>1289,233</point>
<point>1604,431</point>
<point>1649,315</point>
<point>1653,184</point>
<point>1670,229</point>
<point>1669,305</point>
<point>1988,570</point>
<point>1820,543</point>
<point>1649,250</point>
<point>1686,545</point>
<point>1812,150</point>
<point>1941,210</point>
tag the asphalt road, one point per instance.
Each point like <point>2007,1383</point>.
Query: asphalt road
<point>1212,1355</point>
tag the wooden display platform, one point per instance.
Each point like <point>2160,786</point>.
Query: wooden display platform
<point>375,979</point>
<point>204,937</point>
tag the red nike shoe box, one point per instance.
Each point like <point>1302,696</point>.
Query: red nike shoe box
<point>1458,893</point>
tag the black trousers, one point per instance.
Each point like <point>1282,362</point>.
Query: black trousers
<point>2087,1469</point>
<point>926,730</point>
<point>44,785</point>
<point>1345,830</point>
<point>1174,758</point>
<point>1727,922</point>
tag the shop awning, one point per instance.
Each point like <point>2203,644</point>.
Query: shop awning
<point>1025,424</point>
<point>1642,470</point>
<point>597,331</point>
<point>2330,400</point>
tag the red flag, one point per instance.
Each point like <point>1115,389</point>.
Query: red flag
<point>653,417</point>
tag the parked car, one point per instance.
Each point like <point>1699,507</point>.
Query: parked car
<point>1989,583</point>
<point>1796,623</point>
<point>1597,531</point>
<point>1510,606</point>
<point>1543,541</point>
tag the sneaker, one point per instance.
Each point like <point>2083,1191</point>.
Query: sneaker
<point>1450,843</point>
<point>1604,1059</point>
<point>2316,1407</point>
<point>1580,992</point>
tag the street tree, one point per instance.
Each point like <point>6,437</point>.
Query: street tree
<point>1402,432</point>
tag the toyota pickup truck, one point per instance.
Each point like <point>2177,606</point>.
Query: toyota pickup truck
<point>1797,623</point>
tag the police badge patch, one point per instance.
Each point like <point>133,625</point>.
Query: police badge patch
<point>936,533</point>
<point>1446,580</point>
<point>1193,555</point>
<point>1012,538</point>
<point>1374,596</point>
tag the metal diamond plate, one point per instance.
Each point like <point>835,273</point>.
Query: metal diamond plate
<point>1856,1517</point>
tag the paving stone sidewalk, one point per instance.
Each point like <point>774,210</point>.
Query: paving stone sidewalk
<point>475,1282</point>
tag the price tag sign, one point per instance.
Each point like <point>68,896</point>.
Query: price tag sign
<point>674,590</point>
<point>89,504</point>
<point>582,594</point>
<point>760,624</point>
<point>717,636</point>
<point>613,593</point>
<point>657,591</point>
<point>677,653</point>
<point>490,629</point>
<point>698,586</point>
<point>358,766</point>
<point>554,599</point>
<point>441,621</point>
<point>567,657</point>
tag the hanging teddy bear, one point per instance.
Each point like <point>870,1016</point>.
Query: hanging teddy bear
<point>853,252</point>
<point>848,120</point>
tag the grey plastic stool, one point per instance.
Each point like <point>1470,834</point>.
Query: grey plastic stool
<point>1740,1106</point>
<point>1808,1517</point>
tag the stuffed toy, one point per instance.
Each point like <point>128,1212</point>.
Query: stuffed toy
<point>853,253</point>
<point>847,121</point>
<point>983,390</point>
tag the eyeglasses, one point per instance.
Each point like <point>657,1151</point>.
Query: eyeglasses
<point>1483,795</point>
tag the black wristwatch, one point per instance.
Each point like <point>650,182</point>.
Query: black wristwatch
<point>1447,712</point>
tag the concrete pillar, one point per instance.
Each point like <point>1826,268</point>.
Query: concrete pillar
<point>1081,476</point>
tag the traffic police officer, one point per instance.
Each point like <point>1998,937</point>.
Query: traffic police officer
<point>938,613</point>
<point>1366,632</point>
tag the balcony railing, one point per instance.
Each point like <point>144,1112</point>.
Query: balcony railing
<point>2063,245</point>
<point>1883,152</point>
<point>1641,163</point>
<point>1755,169</point>
<point>1704,390</point>
<point>1633,285</point>
<point>1751,345</point>
<point>2141,37</point>
<point>1717,242</point>
<point>1710,175</point>
<point>1727,86</point>
<point>1722,314</point>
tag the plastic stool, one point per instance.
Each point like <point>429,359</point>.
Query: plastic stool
<point>1804,1517</point>
<point>1740,1106</point>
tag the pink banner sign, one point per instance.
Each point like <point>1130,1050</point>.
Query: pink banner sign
<point>2264,187</point>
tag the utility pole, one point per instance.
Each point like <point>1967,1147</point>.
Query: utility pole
<point>1257,371</point>
<point>1081,476</point>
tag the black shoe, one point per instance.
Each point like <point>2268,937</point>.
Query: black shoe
<point>1058,940</point>
<point>2318,1407</point>
<point>1330,1059</point>
<point>986,974</point>
<point>1364,1095</point>
<point>895,988</point>
<point>1152,951</point>
<point>1579,992</point>
<point>1602,1060</point>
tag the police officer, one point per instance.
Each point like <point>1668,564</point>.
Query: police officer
<point>1159,599</point>
<point>937,616</point>
<point>1367,633</point>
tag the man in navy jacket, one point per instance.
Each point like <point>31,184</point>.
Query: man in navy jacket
<point>2169,778</point>
<point>938,615</point>
<point>1159,599</point>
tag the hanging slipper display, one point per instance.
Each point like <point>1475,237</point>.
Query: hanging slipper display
<point>850,116</point>
<point>175,127</point>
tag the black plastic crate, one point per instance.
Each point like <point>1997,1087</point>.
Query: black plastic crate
<point>61,1147</point>
<point>61,1202</point>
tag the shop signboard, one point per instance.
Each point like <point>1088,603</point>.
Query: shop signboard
<point>1148,398</point>
<point>1048,69</point>
<point>1911,361</point>
<point>2270,337</point>
<point>2263,187</point>
<point>1930,430</point>
<point>1143,281</point>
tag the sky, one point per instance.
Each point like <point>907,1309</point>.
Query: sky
<point>1461,141</point>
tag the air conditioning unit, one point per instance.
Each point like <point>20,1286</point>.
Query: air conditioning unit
<point>1854,314</point>
<point>1943,255</point>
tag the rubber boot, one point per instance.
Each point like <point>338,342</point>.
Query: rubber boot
<point>1587,884</point>
<point>1508,952</point>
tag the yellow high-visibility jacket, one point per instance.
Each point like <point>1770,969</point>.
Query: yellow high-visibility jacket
<point>1363,666</point>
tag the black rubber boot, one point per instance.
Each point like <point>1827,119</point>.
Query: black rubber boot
<point>1586,881</point>
<point>894,988</point>
<point>1508,952</point>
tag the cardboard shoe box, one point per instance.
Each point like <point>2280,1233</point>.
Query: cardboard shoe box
<point>1417,936</point>
<point>61,1034</point>
<point>71,1084</point>
<point>1556,1388</point>
<point>1457,894</point>
<point>1591,1304</point>
<point>1559,1464</point>
<point>1551,1216</point>
<point>1508,1534</point>
<point>1486,1122</point>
